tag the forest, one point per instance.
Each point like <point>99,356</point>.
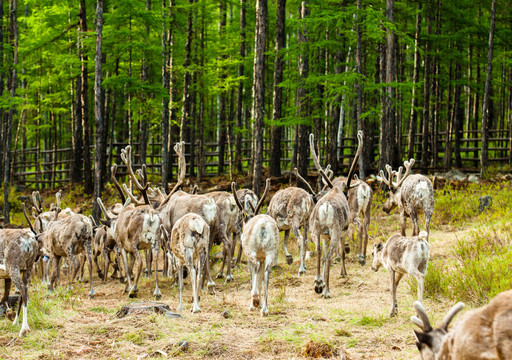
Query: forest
<point>244,83</point>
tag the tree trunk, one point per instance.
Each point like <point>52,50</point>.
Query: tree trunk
<point>415,79</point>
<point>223,95</point>
<point>84,103</point>
<point>144,115</point>
<point>361,123</point>
<point>185,114</point>
<point>165,99</point>
<point>277,102</point>
<point>7,139</point>
<point>458,115</point>
<point>258,91</point>
<point>487,91</point>
<point>302,92</point>
<point>425,153</point>
<point>240,90</point>
<point>99,120</point>
<point>389,150</point>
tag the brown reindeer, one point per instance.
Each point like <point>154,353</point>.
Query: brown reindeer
<point>68,237</point>
<point>136,228</point>
<point>19,250</point>
<point>411,193</point>
<point>329,222</point>
<point>360,197</point>
<point>291,208</point>
<point>484,333</point>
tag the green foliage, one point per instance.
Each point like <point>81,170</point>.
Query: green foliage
<point>480,268</point>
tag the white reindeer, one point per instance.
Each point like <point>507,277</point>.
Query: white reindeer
<point>260,239</point>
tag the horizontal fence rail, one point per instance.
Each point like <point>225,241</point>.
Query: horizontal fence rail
<point>43,168</point>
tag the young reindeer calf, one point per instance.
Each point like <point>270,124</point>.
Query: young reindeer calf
<point>260,239</point>
<point>403,255</point>
<point>190,237</point>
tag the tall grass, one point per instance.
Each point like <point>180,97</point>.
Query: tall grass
<point>479,269</point>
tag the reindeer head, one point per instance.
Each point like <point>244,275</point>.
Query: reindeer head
<point>377,260</point>
<point>430,341</point>
<point>394,187</point>
<point>246,215</point>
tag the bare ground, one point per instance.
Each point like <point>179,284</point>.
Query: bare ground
<point>353,322</point>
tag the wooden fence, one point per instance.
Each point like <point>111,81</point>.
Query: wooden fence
<point>52,167</point>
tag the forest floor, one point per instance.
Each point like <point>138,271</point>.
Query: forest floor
<point>354,321</point>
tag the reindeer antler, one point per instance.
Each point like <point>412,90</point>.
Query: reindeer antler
<point>113,170</point>
<point>133,198</point>
<point>354,162</point>
<point>304,181</point>
<point>423,317</point>
<point>451,314</point>
<point>126,156</point>
<point>36,202</point>
<point>179,148</point>
<point>408,166</point>
<point>316,161</point>
<point>103,210</point>
<point>26,217</point>
<point>237,200</point>
<point>265,193</point>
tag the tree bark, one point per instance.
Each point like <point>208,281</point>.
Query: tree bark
<point>8,135</point>
<point>165,98</point>
<point>389,150</point>
<point>302,92</point>
<point>99,120</point>
<point>258,91</point>
<point>240,90</point>
<point>487,91</point>
<point>415,79</point>
<point>425,151</point>
<point>361,123</point>
<point>144,116</point>
<point>277,102</point>
<point>221,129</point>
<point>84,103</point>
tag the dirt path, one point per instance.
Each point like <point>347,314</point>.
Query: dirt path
<point>355,320</point>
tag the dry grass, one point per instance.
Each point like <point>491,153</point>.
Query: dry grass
<point>300,324</point>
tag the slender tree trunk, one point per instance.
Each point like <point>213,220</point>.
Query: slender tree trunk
<point>240,90</point>
<point>458,115</point>
<point>8,135</point>
<point>165,97</point>
<point>277,102</point>
<point>361,123</point>
<point>99,119</point>
<point>389,150</point>
<point>415,79</point>
<point>425,151</point>
<point>2,133</point>
<point>223,95</point>
<point>302,92</point>
<point>144,116</point>
<point>201,124</point>
<point>487,91</point>
<point>185,114</point>
<point>258,91</point>
<point>84,103</point>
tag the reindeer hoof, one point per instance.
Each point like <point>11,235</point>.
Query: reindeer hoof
<point>347,248</point>
<point>211,288</point>
<point>255,301</point>
<point>289,259</point>
<point>158,296</point>
<point>92,295</point>
<point>302,271</point>
<point>326,294</point>
<point>318,289</point>
<point>229,278</point>
<point>196,310</point>
<point>361,260</point>
<point>220,276</point>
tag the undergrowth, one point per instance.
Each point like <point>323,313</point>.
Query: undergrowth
<point>478,269</point>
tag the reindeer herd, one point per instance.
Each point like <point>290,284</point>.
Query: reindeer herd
<point>185,226</point>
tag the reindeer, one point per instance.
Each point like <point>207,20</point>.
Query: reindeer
<point>360,203</point>
<point>137,227</point>
<point>68,237</point>
<point>403,255</point>
<point>19,250</point>
<point>260,240</point>
<point>329,221</point>
<point>291,208</point>
<point>249,200</point>
<point>411,193</point>
<point>484,333</point>
<point>227,217</point>
<point>189,242</point>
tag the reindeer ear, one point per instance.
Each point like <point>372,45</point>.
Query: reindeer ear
<point>423,339</point>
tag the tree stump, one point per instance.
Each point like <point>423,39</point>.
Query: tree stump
<point>147,307</point>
